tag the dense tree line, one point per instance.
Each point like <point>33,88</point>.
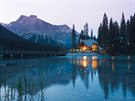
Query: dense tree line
<point>84,34</point>
<point>115,38</point>
<point>9,41</point>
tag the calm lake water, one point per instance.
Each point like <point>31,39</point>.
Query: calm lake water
<point>68,78</point>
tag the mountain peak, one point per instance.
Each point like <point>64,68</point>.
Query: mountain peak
<point>35,29</point>
<point>33,16</point>
<point>27,17</point>
<point>22,17</point>
<point>32,23</point>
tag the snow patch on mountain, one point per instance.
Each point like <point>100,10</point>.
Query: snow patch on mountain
<point>39,31</point>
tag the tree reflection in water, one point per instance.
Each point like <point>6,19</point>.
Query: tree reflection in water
<point>30,79</point>
<point>113,73</point>
<point>116,77</point>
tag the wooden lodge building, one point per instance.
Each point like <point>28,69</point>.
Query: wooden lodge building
<point>88,45</point>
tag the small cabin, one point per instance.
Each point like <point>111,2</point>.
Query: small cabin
<point>88,45</point>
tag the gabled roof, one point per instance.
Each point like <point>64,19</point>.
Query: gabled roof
<point>88,42</point>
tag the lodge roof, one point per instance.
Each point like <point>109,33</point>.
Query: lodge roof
<point>88,42</point>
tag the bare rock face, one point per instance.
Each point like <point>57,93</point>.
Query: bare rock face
<point>37,30</point>
<point>31,23</point>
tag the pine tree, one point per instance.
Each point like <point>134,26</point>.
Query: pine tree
<point>132,34</point>
<point>110,37</point>
<point>80,36</point>
<point>123,35</point>
<point>86,31</point>
<point>113,34</point>
<point>99,35</point>
<point>91,33</point>
<point>73,38</point>
<point>123,26</point>
<point>116,35</point>
<point>128,35</point>
<point>104,38</point>
<point>94,37</point>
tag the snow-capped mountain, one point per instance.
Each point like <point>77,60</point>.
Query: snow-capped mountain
<point>39,31</point>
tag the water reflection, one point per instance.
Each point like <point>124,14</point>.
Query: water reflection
<point>94,62</point>
<point>97,77</point>
<point>85,61</point>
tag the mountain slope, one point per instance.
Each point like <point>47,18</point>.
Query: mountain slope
<point>11,41</point>
<point>37,30</point>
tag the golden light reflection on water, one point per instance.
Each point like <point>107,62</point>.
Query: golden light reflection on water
<point>84,57</point>
<point>84,61</point>
<point>94,62</point>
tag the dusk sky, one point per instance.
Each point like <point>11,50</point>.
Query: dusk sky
<point>68,12</point>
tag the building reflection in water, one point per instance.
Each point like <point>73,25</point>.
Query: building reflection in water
<point>94,62</point>
<point>84,61</point>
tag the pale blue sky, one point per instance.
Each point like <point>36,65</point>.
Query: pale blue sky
<point>68,12</point>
